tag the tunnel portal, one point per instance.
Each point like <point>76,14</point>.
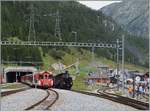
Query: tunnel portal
<point>13,74</point>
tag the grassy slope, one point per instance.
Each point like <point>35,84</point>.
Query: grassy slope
<point>85,60</point>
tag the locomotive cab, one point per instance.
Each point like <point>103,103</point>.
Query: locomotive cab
<point>40,79</point>
<point>46,80</point>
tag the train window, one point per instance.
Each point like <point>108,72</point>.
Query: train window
<point>45,76</point>
<point>40,76</point>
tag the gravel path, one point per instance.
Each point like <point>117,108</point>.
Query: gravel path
<point>21,100</point>
<point>72,101</point>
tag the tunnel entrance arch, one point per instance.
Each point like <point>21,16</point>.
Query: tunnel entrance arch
<point>13,74</point>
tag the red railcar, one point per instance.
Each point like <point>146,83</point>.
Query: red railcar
<point>41,79</point>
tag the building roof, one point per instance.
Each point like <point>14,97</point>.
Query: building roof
<point>20,69</point>
<point>102,66</point>
<point>97,76</point>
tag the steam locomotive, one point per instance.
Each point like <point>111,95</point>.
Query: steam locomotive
<point>63,81</point>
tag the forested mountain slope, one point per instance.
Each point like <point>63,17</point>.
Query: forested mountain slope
<point>90,25</point>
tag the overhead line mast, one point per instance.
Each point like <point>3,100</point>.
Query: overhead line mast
<point>57,32</point>
<point>57,26</point>
<point>32,36</point>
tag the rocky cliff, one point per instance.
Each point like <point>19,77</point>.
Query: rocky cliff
<point>131,14</point>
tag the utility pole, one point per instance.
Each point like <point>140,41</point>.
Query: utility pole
<point>0,43</point>
<point>93,56</point>
<point>57,26</point>
<point>133,86</point>
<point>98,19</point>
<point>16,59</point>
<point>117,64</point>
<point>31,27</point>
<point>0,55</point>
<point>75,34</point>
<point>123,70</point>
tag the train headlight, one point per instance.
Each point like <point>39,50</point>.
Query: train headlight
<point>52,82</point>
<point>39,83</point>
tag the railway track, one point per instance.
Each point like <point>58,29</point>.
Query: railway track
<point>44,104</point>
<point>116,98</point>
<point>124,100</point>
<point>146,97</point>
<point>6,93</point>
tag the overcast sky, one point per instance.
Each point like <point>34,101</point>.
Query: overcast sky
<point>97,4</point>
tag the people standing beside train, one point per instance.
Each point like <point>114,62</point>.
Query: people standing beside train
<point>137,91</point>
<point>146,79</point>
<point>147,85</point>
<point>130,91</point>
<point>141,90</point>
<point>144,89</point>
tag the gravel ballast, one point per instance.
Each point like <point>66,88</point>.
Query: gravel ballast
<point>68,101</point>
<point>21,100</point>
<point>72,101</point>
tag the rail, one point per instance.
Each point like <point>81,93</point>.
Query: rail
<point>44,104</point>
<point>116,98</point>
<point>6,93</point>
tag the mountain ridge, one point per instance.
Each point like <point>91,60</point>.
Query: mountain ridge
<point>131,14</point>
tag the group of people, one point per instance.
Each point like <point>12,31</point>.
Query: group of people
<point>139,90</point>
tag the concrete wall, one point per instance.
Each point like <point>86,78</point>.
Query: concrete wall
<point>2,75</point>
